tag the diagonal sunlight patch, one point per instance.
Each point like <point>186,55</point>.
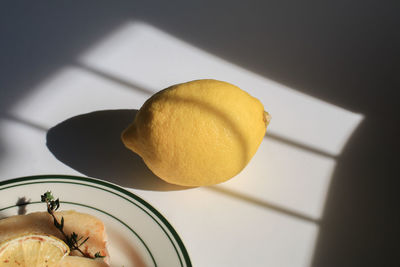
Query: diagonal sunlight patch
<point>140,53</point>
<point>277,200</point>
<point>72,91</point>
<point>291,172</point>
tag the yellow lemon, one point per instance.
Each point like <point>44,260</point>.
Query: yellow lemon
<point>32,250</point>
<point>198,133</point>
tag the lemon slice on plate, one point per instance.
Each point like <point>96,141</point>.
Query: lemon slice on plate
<point>32,250</point>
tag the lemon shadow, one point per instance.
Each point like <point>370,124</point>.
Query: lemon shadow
<point>91,144</point>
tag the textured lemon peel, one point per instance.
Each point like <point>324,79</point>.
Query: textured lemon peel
<point>192,148</point>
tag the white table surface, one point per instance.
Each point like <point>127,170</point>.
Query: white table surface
<point>272,209</point>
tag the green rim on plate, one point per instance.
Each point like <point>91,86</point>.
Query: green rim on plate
<point>125,194</point>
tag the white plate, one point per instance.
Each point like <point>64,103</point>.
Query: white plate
<point>138,235</point>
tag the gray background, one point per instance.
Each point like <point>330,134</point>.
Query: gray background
<point>344,52</point>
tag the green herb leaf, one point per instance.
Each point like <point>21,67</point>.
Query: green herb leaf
<point>71,240</point>
<point>98,255</point>
<point>86,239</point>
<point>47,196</point>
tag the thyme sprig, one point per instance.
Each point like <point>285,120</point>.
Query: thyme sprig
<point>73,240</point>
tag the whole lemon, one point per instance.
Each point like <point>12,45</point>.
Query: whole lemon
<point>197,133</point>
